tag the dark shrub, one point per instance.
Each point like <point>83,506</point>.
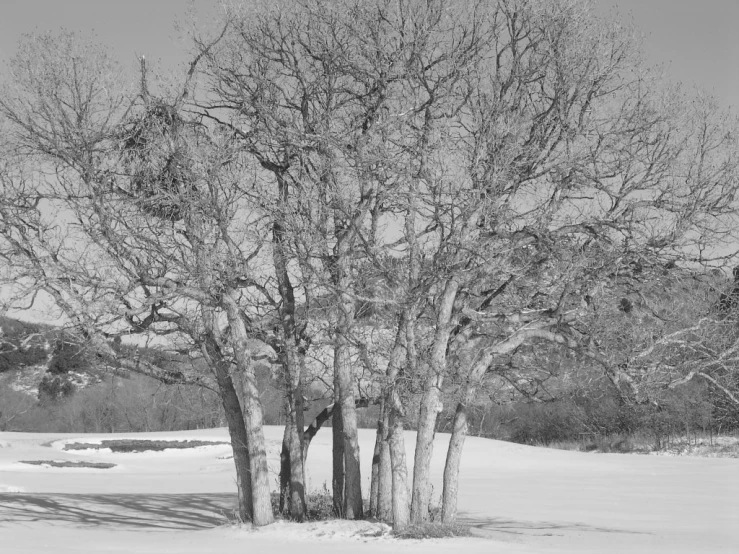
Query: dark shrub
<point>55,388</point>
<point>68,357</point>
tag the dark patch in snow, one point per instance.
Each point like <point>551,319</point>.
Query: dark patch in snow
<point>139,445</point>
<point>54,463</point>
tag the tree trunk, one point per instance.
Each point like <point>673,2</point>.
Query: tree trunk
<point>337,479</point>
<point>285,469</point>
<point>399,501</point>
<point>292,457</point>
<point>315,426</point>
<point>431,406</point>
<point>453,458</point>
<point>381,484</point>
<point>292,475</point>
<point>374,479</point>
<point>399,468</point>
<point>428,414</point>
<point>261,501</point>
<point>459,431</point>
<point>344,388</point>
<point>236,426</point>
<point>292,365</point>
<point>298,508</point>
<point>352,506</point>
<point>384,510</point>
<point>322,417</point>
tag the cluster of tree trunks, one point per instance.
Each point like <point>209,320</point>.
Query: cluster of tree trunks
<point>508,172</point>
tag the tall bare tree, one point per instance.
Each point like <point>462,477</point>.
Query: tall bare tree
<point>509,174</point>
<point>150,239</point>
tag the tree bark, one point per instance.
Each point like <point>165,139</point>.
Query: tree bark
<point>292,366</point>
<point>352,505</point>
<point>374,479</point>
<point>428,414</point>
<point>285,469</point>
<point>381,484</point>
<point>337,479</point>
<point>344,390</point>
<point>431,406</point>
<point>322,417</point>
<point>261,501</point>
<point>236,426</point>
<point>298,507</point>
<point>399,468</point>
<point>384,510</point>
<point>399,504</point>
<point>453,459</point>
<point>459,430</point>
<point>292,454</point>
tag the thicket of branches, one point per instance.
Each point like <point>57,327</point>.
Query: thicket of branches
<point>397,199</point>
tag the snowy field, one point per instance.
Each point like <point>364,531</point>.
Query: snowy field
<point>518,499</point>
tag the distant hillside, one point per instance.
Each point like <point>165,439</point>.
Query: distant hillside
<point>23,344</point>
<point>49,363</point>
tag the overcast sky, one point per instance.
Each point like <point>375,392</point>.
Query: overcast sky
<point>698,39</point>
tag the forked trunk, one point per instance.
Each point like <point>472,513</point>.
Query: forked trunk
<point>239,441</point>
<point>292,472</point>
<point>381,484</point>
<point>352,507</point>
<point>235,422</point>
<point>292,456</point>
<point>261,501</point>
<point>399,499</point>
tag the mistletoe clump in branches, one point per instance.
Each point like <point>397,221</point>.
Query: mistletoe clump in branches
<point>155,155</point>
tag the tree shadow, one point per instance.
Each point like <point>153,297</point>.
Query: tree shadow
<point>494,526</point>
<point>139,511</point>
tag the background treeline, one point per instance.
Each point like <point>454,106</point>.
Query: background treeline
<point>75,396</point>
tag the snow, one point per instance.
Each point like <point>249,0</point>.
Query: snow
<point>518,499</point>
<point>27,380</point>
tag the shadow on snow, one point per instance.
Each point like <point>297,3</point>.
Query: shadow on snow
<point>493,526</point>
<point>204,511</point>
<point>141,511</point>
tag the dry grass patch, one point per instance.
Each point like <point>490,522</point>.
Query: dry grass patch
<point>433,531</point>
<point>55,463</point>
<point>706,447</point>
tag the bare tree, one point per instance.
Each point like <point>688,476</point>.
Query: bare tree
<point>155,245</point>
<point>531,153</point>
<point>591,173</point>
<point>322,87</point>
<point>509,175</point>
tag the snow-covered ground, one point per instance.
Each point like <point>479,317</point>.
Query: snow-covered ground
<point>518,499</point>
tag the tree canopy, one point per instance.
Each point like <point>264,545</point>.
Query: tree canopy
<point>495,180</point>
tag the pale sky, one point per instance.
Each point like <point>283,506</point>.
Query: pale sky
<point>697,39</point>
